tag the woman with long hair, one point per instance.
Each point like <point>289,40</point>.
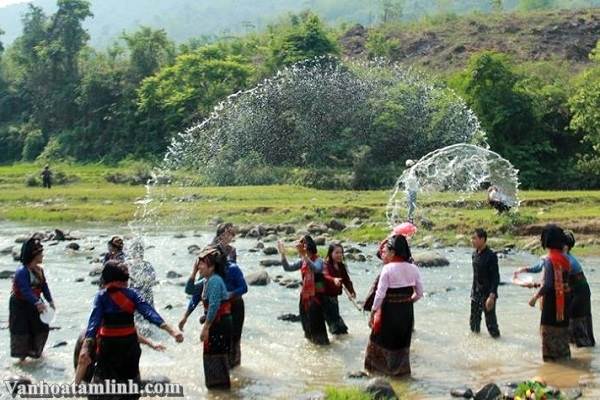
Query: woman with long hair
<point>336,278</point>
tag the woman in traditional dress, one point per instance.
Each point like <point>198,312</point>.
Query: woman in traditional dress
<point>216,332</point>
<point>392,315</point>
<point>581,331</point>
<point>336,275</point>
<point>115,250</point>
<point>28,334</point>
<point>236,287</point>
<point>111,326</point>
<point>313,288</point>
<point>224,236</point>
<point>555,290</point>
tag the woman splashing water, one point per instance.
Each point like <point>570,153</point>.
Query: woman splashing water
<point>392,315</point>
<point>313,288</point>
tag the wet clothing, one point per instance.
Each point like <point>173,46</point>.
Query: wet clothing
<point>28,334</point>
<point>236,287</point>
<point>554,324</point>
<point>312,293</point>
<point>215,299</point>
<point>119,256</point>
<point>388,351</point>
<point>111,324</point>
<point>334,320</point>
<point>581,330</point>
<point>486,277</point>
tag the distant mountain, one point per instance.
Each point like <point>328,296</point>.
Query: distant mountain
<point>185,19</point>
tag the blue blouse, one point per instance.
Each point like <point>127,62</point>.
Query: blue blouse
<point>103,304</point>
<point>22,286</point>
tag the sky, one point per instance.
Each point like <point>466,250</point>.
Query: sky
<point>8,2</point>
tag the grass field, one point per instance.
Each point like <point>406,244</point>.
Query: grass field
<point>90,198</point>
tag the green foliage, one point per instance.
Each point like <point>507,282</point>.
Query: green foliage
<point>33,145</point>
<point>149,50</point>
<point>337,393</point>
<point>529,5</point>
<point>526,389</point>
<point>585,106</point>
<point>305,39</point>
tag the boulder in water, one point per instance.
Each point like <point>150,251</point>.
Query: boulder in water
<point>73,246</point>
<point>6,251</point>
<point>293,285</point>
<point>79,279</point>
<point>59,344</point>
<point>464,393</point>
<point>173,275</point>
<point>289,318</point>
<point>336,225</point>
<point>491,391</point>
<point>59,235</point>
<point>357,375</point>
<point>320,240</point>
<point>260,245</point>
<point>6,274</point>
<point>380,389</point>
<point>270,251</point>
<point>193,249</point>
<point>316,229</point>
<point>270,263</point>
<point>179,236</point>
<point>270,238</point>
<point>260,278</point>
<point>95,272</point>
<point>14,382</point>
<point>430,259</point>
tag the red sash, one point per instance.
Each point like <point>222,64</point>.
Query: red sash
<point>308,283</point>
<point>560,265</point>
<point>125,304</point>
<point>224,309</point>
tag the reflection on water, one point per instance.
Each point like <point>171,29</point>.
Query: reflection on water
<point>276,360</point>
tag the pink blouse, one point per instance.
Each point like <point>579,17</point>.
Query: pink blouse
<point>398,275</point>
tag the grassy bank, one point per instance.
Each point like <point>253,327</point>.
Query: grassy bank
<point>91,198</point>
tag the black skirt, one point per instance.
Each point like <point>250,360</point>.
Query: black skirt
<point>118,359</point>
<point>581,329</point>
<point>388,351</point>
<point>28,334</point>
<point>216,354</point>
<point>555,334</point>
<point>237,326</point>
<point>313,321</point>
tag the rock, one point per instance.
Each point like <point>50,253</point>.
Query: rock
<point>260,245</point>
<point>316,229</point>
<point>193,249</point>
<point>79,280</point>
<point>426,224</point>
<point>15,382</point>
<point>169,307</point>
<point>6,251</point>
<point>321,241</point>
<point>573,394</point>
<point>59,344</point>
<point>491,391</point>
<point>380,389</point>
<point>59,235</point>
<point>270,263</point>
<point>16,254</point>
<point>253,250</point>
<point>95,282</point>
<point>270,251</point>
<point>257,231</point>
<point>353,250</point>
<point>464,393</point>
<point>289,318</point>
<point>154,379</point>
<point>293,285</point>
<point>270,238</point>
<point>179,236</point>
<point>336,225</point>
<point>95,272</point>
<point>73,246</point>
<point>173,275</point>
<point>21,239</point>
<point>6,274</point>
<point>430,259</point>
<point>361,258</point>
<point>287,229</point>
<point>357,375</point>
<point>260,278</point>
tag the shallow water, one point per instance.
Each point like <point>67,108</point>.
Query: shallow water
<point>276,360</point>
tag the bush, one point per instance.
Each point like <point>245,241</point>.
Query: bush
<point>134,173</point>
<point>34,145</point>
<point>33,181</point>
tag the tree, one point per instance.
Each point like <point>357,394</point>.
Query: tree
<point>530,5</point>
<point>585,106</point>
<point>306,39</point>
<point>391,10</point>
<point>187,91</point>
<point>149,50</point>
<point>491,89</point>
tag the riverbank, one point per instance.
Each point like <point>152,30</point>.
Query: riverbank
<point>443,218</point>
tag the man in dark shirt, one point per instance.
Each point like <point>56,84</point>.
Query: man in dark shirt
<point>47,177</point>
<point>485,284</point>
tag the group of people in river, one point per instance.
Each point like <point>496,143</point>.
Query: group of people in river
<point>109,348</point>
